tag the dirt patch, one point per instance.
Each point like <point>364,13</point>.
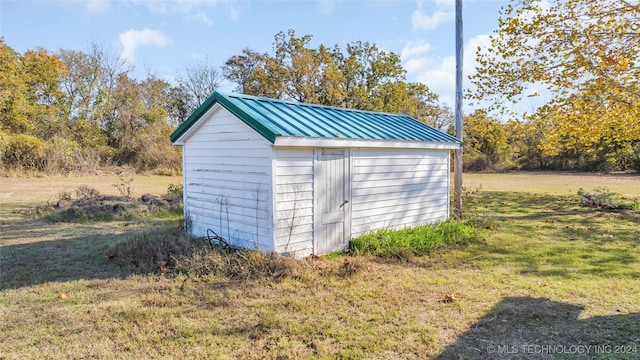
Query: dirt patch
<point>107,206</point>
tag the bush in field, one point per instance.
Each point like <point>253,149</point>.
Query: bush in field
<point>87,195</point>
<point>24,151</point>
<point>599,198</point>
<point>239,264</point>
<point>124,186</point>
<point>65,196</point>
<point>605,199</point>
<point>174,191</point>
<point>61,155</point>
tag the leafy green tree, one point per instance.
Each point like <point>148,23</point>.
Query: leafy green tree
<point>89,87</point>
<point>42,73</point>
<point>14,98</point>
<point>75,110</point>
<point>177,106</point>
<point>31,104</point>
<point>365,77</point>
<point>249,71</point>
<point>486,143</point>
<point>584,53</point>
<point>139,131</point>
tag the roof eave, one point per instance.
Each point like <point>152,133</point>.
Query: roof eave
<point>298,141</point>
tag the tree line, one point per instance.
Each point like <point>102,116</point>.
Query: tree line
<point>76,110</point>
<point>579,58</point>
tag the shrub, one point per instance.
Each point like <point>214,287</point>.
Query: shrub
<point>124,186</point>
<point>476,162</point>
<point>604,199</point>
<point>600,198</point>
<point>24,151</point>
<point>61,155</point>
<point>635,158</point>
<point>64,195</point>
<point>87,195</point>
<point>174,192</point>
<point>164,172</point>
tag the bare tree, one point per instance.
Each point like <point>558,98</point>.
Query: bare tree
<point>199,82</point>
<point>90,82</point>
<point>442,118</point>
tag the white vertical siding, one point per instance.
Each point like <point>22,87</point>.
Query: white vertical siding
<point>227,180</point>
<point>396,188</point>
<point>293,201</point>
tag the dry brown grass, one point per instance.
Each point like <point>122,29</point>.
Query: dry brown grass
<point>555,183</point>
<point>35,190</point>
<point>551,273</point>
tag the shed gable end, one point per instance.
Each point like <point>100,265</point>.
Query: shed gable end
<point>227,181</point>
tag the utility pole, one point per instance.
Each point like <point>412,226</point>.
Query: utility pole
<point>457,161</point>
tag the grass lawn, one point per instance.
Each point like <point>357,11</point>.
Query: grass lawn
<point>548,279</point>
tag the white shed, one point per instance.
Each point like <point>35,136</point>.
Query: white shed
<point>303,179</point>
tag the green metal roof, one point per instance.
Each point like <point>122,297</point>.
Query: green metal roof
<point>273,118</point>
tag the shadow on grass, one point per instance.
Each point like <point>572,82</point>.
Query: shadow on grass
<point>546,235</point>
<point>56,261</point>
<point>546,208</point>
<point>537,328</point>
<point>35,251</point>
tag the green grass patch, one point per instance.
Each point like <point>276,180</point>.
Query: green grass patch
<point>414,241</point>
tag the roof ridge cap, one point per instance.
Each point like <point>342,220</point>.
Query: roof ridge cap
<point>298,103</point>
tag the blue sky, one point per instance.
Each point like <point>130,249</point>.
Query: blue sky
<point>164,37</point>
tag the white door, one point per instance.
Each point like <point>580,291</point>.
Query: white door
<point>332,201</point>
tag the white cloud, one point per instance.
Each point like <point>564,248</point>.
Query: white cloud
<point>441,78</point>
<point>132,39</point>
<point>203,18</point>
<point>414,48</point>
<point>97,6</point>
<point>440,73</point>
<point>155,7</point>
<point>202,11</point>
<point>442,14</point>
<point>326,6</point>
<point>446,4</point>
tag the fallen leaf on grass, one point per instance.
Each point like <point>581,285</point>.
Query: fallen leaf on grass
<point>449,298</point>
<point>63,296</point>
<point>542,284</point>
